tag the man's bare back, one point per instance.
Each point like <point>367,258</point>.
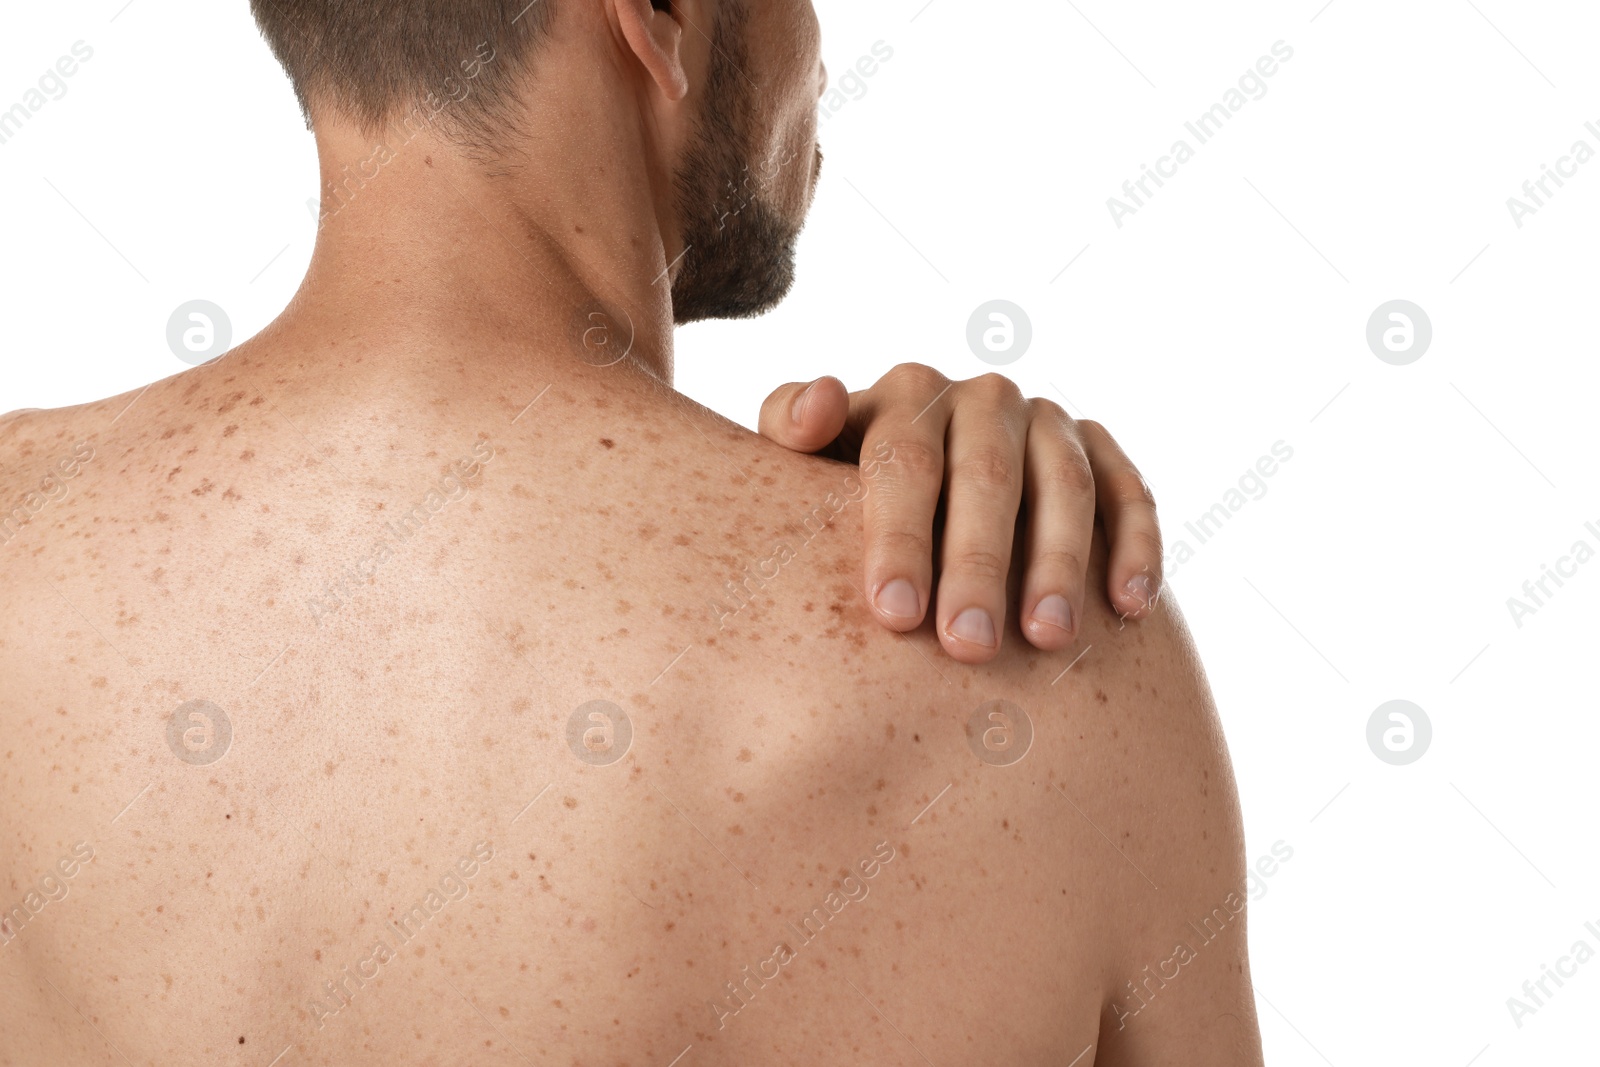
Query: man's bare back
<point>404,687</point>
<point>398,831</point>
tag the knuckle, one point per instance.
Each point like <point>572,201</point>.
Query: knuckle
<point>1042,406</point>
<point>917,376</point>
<point>904,544</point>
<point>1146,543</point>
<point>914,459</point>
<point>1130,487</point>
<point>1071,473</point>
<point>986,468</point>
<point>1092,428</point>
<point>977,563</point>
<point>1061,561</point>
<point>996,388</point>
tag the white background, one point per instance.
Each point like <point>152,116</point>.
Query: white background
<point>1226,315</point>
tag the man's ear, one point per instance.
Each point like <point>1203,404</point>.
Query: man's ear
<point>655,37</point>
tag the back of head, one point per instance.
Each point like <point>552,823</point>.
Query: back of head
<point>707,107</point>
<point>371,61</point>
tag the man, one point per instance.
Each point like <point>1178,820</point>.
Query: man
<point>426,682</point>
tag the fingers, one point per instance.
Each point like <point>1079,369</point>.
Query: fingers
<point>984,490</point>
<point>999,448</point>
<point>903,444</point>
<point>1060,528</point>
<point>1133,577</point>
<point>805,417</point>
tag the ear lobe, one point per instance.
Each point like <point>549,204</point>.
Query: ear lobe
<point>655,38</point>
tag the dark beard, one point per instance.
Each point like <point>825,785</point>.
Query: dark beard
<point>739,249</point>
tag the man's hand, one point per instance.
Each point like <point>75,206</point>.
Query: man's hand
<point>986,449</point>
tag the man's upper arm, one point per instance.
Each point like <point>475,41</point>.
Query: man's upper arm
<point>1181,992</point>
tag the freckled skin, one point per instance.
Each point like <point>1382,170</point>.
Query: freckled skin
<point>774,748</point>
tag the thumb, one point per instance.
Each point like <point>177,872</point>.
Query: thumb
<point>805,416</point>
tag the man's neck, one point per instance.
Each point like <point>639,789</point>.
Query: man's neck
<point>530,259</point>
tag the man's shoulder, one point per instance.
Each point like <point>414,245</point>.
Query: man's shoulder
<point>1126,694</point>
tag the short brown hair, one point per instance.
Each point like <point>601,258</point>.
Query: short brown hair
<point>371,59</point>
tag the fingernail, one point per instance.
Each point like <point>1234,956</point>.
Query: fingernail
<point>974,626</point>
<point>798,411</point>
<point>1142,589</point>
<point>1053,610</point>
<point>899,599</point>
